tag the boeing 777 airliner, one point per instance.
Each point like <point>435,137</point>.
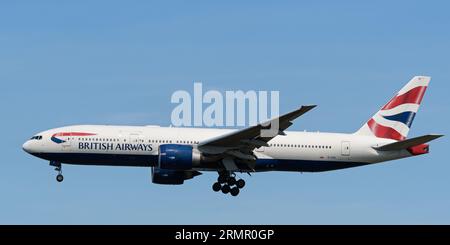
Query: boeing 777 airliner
<point>178,154</point>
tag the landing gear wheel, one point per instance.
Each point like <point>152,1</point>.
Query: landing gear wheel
<point>216,187</point>
<point>234,191</point>
<point>58,168</point>
<point>227,182</point>
<point>225,189</point>
<point>221,179</point>
<point>231,181</point>
<point>59,177</point>
<point>240,183</point>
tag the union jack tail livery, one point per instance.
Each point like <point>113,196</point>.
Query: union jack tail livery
<point>394,119</point>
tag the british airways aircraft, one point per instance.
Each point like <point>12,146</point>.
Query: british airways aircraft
<point>178,154</point>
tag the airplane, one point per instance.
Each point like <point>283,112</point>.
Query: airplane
<point>176,154</point>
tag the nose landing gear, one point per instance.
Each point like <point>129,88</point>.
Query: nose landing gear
<point>227,183</point>
<point>59,177</point>
<point>58,168</point>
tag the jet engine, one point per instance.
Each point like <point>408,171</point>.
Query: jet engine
<point>178,157</point>
<point>171,177</point>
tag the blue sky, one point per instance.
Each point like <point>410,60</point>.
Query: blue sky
<point>118,62</point>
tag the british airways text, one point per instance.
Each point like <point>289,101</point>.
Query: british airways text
<point>112,146</point>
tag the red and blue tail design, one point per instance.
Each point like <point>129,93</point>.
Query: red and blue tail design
<point>394,119</point>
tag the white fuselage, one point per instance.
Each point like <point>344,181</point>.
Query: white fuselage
<point>139,146</point>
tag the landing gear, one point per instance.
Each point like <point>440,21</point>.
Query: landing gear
<point>232,181</point>
<point>59,177</point>
<point>225,189</point>
<point>234,191</point>
<point>58,168</point>
<point>222,179</point>
<point>217,187</point>
<point>227,183</point>
<point>240,183</point>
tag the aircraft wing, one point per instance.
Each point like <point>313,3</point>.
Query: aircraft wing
<point>241,143</point>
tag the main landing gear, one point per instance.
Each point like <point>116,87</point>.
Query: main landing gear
<point>227,183</point>
<point>58,168</point>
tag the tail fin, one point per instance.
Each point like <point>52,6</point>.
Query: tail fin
<point>394,119</point>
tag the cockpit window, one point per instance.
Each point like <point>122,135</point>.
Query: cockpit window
<point>37,137</point>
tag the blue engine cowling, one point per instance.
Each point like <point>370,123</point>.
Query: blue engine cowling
<point>171,177</point>
<point>178,157</point>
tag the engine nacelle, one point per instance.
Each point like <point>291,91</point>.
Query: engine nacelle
<point>178,157</point>
<point>171,177</point>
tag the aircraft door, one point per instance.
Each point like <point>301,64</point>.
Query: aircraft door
<point>345,148</point>
<point>67,143</point>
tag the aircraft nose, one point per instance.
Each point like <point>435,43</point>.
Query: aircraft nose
<point>27,147</point>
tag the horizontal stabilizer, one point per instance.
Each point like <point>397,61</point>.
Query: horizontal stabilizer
<point>405,144</point>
